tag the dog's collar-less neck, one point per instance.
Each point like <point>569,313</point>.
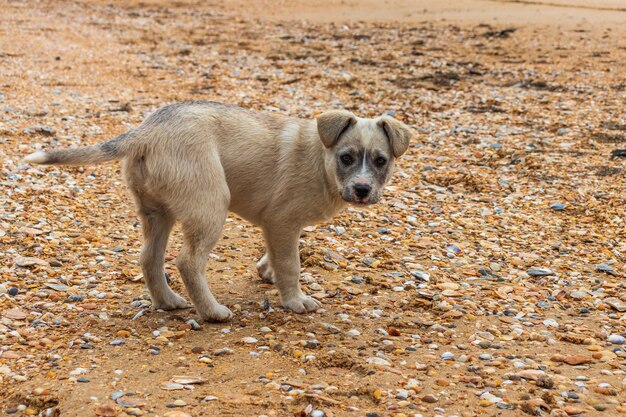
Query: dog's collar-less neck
<point>330,186</point>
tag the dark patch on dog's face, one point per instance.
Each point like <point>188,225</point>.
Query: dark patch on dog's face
<point>362,163</point>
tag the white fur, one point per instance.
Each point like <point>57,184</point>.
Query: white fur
<point>288,138</point>
<point>38,157</point>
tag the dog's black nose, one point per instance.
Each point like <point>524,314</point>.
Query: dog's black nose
<point>362,190</point>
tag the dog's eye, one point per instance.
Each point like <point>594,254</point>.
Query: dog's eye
<point>380,161</point>
<point>347,159</point>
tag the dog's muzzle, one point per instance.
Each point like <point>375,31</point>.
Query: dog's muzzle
<point>359,194</point>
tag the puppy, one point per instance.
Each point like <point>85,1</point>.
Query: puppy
<point>195,161</point>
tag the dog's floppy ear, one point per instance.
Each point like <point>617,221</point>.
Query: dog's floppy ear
<point>332,124</point>
<point>398,134</point>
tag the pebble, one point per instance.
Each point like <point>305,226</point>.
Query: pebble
<point>448,356</point>
<point>249,340</point>
<point>616,303</point>
<point>358,280</point>
<point>605,268</point>
<point>13,291</point>
<point>431,399</point>
<point>194,324</point>
<point>616,339</point>
<point>572,410</point>
<point>176,413</point>
<point>490,397</point>
<point>402,394</point>
<point>106,411</point>
<point>532,374</point>
<point>374,360</point>
<point>412,220</point>
<point>223,351</point>
<point>117,394</point>
<point>572,359</point>
<point>539,272</point>
<point>604,390</point>
<point>421,275</point>
<point>550,323</point>
<point>317,413</point>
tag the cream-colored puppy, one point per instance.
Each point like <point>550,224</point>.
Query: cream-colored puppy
<point>195,161</point>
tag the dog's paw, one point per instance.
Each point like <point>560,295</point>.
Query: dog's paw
<point>172,302</point>
<point>301,304</point>
<point>265,270</point>
<point>217,314</point>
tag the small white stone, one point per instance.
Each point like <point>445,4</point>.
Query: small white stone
<point>491,398</point>
<point>412,220</point>
<point>378,361</point>
<point>402,394</point>
<point>249,340</point>
<point>495,267</point>
<point>79,371</point>
<point>550,323</point>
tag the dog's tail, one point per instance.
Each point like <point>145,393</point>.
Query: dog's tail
<point>89,155</point>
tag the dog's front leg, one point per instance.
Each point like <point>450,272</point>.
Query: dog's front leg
<point>265,270</point>
<point>282,244</point>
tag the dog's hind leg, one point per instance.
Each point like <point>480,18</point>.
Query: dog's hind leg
<point>201,205</point>
<point>200,235</point>
<point>157,224</point>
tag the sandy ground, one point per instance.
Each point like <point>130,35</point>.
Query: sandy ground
<point>508,201</point>
<point>557,13</point>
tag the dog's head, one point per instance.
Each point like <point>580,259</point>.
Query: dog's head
<point>360,153</point>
